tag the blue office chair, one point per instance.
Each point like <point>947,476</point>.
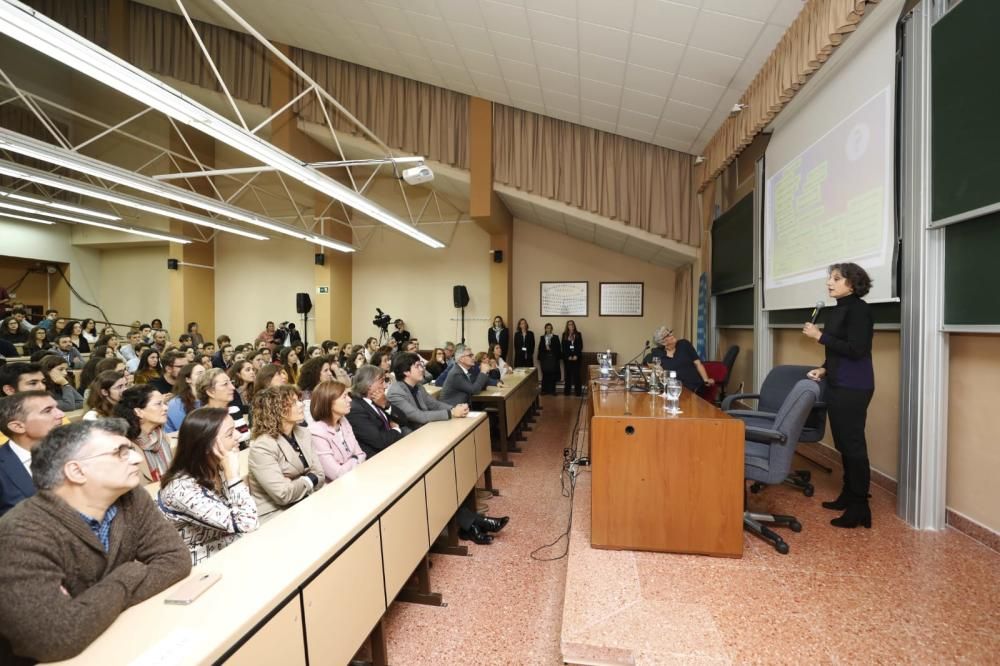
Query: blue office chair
<point>768,454</point>
<point>776,386</point>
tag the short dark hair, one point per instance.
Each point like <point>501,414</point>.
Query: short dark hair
<point>133,398</point>
<point>322,399</point>
<point>12,408</point>
<point>11,373</point>
<point>167,358</point>
<point>855,276</point>
<point>309,372</point>
<point>195,454</point>
<point>403,362</point>
<point>62,445</point>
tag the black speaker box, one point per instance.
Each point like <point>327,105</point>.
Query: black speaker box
<point>460,295</point>
<point>303,304</point>
<point>319,258</point>
<point>497,256</point>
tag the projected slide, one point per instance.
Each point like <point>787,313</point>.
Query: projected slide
<point>832,202</point>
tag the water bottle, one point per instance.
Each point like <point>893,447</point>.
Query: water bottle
<point>673,393</point>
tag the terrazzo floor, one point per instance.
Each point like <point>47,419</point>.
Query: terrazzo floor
<point>889,595</point>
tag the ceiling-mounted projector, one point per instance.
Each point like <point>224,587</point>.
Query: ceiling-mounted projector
<point>418,175</point>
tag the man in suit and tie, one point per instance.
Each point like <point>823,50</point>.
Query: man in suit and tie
<point>459,387</point>
<point>375,422</point>
<point>25,418</point>
<point>409,396</point>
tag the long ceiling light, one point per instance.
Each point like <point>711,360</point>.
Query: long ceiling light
<point>62,183</point>
<point>46,152</point>
<point>37,201</point>
<point>41,33</point>
<point>129,229</point>
<point>25,218</point>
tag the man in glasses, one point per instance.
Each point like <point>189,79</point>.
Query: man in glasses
<point>26,419</point>
<point>88,545</point>
<point>459,387</point>
<point>172,363</point>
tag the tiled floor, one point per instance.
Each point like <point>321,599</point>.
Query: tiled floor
<point>887,595</point>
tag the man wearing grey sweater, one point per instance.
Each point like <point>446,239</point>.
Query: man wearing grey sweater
<point>88,545</point>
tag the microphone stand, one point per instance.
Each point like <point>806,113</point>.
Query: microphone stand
<point>625,368</point>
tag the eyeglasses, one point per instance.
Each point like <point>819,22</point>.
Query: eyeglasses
<point>224,384</point>
<point>123,451</point>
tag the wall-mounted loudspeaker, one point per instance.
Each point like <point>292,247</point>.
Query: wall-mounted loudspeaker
<point>173,264</point>
<point>303,304</point>
<point>497,256</point>
<point>319,259</point>
<point>460,295</point>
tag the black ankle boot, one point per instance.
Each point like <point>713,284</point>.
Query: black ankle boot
<point>856,514</point>
<point>838,504</point>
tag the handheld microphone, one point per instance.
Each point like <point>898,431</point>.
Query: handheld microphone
<point>816,310</point>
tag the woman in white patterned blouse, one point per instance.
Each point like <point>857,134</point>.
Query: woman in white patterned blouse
<point>203,493</point>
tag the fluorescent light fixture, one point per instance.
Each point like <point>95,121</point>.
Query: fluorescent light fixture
<point>60,182</point>
<point>36,220</point>
<point>9,194</point>
<point>39,150</point>
<point>93,223</point>
<point>41,33</point>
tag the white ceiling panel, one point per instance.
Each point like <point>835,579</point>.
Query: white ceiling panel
<point>586,61</point>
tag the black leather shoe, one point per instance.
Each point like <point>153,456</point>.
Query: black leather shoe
<point>856,514</point>
<point>838,504</point>
<point>476,535</point>
<point>487,524</point>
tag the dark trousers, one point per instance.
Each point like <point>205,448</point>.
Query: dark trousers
<point>571,379</point>
<point>466,517</point>
<point>848,411</point>
<point>549,379</point>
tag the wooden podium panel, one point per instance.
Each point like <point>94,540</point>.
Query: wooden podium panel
<point>665,483</point>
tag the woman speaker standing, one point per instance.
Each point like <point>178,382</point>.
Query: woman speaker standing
<point>850,376</point>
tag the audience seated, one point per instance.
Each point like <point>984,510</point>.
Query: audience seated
<point>289,360</point>
<point>149,366</point>
<point>332,436</point>
<point>382,360</point>
<point>65,348</point>
<point>283,466</point>
<point>25,419</point>
<point>312,372</point>
<point>105,392</point>
<point>357,360</point>
<point>87,546</point>
<point>497,361</point>
<point>171,364</point>
<point>376,424</point>
<point>18,377</point>
<point>215,389</point>
<point>50,318</point>
<point>130,350</point>
<point>58,384</point>
<point>74,330</point>
<point>89,331</point>
<point>11,331</point>
<point>196,337</point>
<point>184,399</point>
<point>243,373</point>
<point>38,340</point>
<point>145,410</point>
<point>203,493</point>
<point>460,386</point>
<point>269,375</point>
<point>8,350</point>
<point>409,396</point>
<point>437,363</point>
<point>493,375</point>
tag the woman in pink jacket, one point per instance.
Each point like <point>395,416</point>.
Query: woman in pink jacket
<point>332,437</point>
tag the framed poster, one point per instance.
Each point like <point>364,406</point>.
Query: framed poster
<point>563,299</point>
<point>621,299</point>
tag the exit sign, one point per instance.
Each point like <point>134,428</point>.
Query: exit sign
<point>322,290</point>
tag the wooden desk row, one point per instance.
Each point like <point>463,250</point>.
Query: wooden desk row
<point>314,582</point>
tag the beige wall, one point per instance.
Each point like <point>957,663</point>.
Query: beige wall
<point>973,453</point>
<point>413,282</point>
<point>133,285</point>
<point>543,255</point>
<point>882,431</point>
<point>256,281</point>
<point>743,367</point>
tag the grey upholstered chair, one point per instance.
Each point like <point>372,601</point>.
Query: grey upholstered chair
<point>776,386</point>
<point>768,456</point>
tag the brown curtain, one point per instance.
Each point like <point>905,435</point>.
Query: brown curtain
<point>162,42</point>
<point>88,19</point>
<point>644,186</point>
<point>683,321</point>
<point>807,44</point>
<point>407,115</point>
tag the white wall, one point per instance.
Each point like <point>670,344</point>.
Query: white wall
<point>133,285</point>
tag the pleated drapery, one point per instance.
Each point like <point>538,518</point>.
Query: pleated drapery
<point>407,115</point>
<point>809,42</point>
<point>644,186</point>
<point>88,19</point>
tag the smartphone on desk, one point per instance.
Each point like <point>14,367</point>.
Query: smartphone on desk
<point>193,588</point>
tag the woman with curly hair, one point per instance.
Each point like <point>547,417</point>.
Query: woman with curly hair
<point>283,467</point>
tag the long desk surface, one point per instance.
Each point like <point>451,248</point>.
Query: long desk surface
<point>665,482</point>
<point>323,553</point>
<point>511,402</point>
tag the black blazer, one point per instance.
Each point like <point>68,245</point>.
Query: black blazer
<point>503,339</point>
<point>15,482</point>
<point>524,349</point>
<point>577,348</point>
<point>549,355</point>
<point>370,430</point>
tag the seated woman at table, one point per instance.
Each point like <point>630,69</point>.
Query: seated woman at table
<point>483,359</point>
<point>145,410</point>
<point>679,356</point>
<point>203,493</point>
<point>437,363</point>
<point>283,466</point>
<point>497,360</point>
<point>58,382</point>
<point>183,399</point>
<point>332,436</point>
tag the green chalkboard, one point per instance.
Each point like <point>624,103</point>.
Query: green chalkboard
<point>732,247</point>
<point>965,98</point>
<point>971,249</point>
<point>734,308</point>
